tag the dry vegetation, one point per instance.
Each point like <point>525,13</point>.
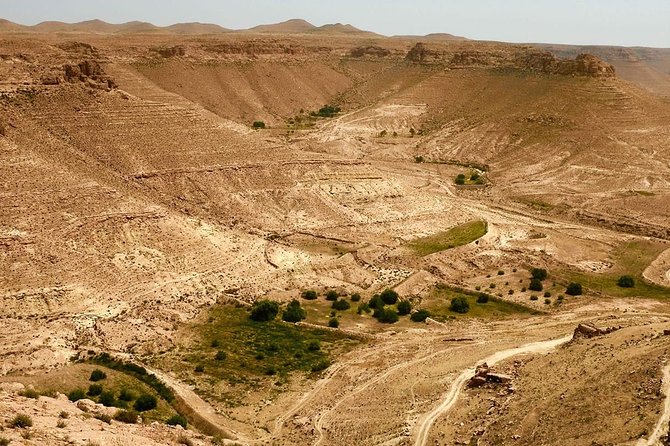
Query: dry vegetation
<point>142,213</point>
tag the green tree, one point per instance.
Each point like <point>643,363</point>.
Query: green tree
<point>264,311</point>
<point>460,179</point>
<point>257,125</point>
<point>404,307</point>
<point>294,312</point>
<point>459,305</point>
<point>309,295</point>
<point>376,303</point>
<point>574,289</point>
<point>97,375</point>
<point>332,295</point>
<point>539,274</point>
<point>177,420</point>
<point>333,322</point>
<point>483,298</point>
<point>387,315</point>
<point>341,305</point>
<point>535,285</point>
<point>626,282</point>
<point>420,315</point>
<point>389,296</point>
<point>145,402</point>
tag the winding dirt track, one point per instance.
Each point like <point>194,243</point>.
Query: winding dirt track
<point>450,398</point>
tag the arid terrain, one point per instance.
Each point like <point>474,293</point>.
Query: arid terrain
<point>156,184</point>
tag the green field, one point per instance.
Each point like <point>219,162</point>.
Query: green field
<point>440,300</point>
<point>630,259</point>
<point>256,350</point>
<point>454,237</point>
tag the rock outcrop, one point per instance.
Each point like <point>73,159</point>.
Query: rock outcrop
<point>483,376</point>
<point>523,59</point>
<point>591,331</point>
<point>90,72</point>
<point>371,50</point>
<point>172,51</point>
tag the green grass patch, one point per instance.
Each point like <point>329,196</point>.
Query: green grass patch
<point>440,297</point>
<point>259,349</point>
<point>454,237</point>
<point>631,258</point>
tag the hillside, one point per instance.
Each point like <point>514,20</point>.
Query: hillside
<point>156,186</point>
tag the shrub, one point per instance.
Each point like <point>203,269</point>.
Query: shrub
<point>215,343</point>
<point>271,371</point>
<point>328,111</point>
<point>264,311</point>
<point>510,292</point>
<point>387,316</point>
<point>126,395</point>
<point>321,365</point>
<point>523,289</point>
<point>459,305</point>
<point>355,297</point>
<point>199,368</point>
<point>333,322</point>
<point>97,375</point>
<point>126,416</point>
<point>389,296</point>
<point>418,159</point>
<point>107,398</point>
<point>363,308</point>
<point>574,289</point>
<point>4,441</point>
<point>547,301</point>
<point>76,395</point>
<point>404,307</point>
<point>492,286</point>
<point>538,273</point>
<point>376,303</point>
<point>258,125</point>
<point>61,424</point>
<point>220,356</point>
<point>341,305</point>
<point>478,288</point>
<point>293,312</point>
<point>332,295</point>
<point>535,285</point>
<point>309,295</point>
<point>501,273</point>
<point>177,420</point>
<point>94,390</point>
<point>30,393</point>
<point>534,298</point>
<point>483,298</point>
<point>420,315</point>
<point>21,421</point>
<point>561,297</point>
<point>103,417</point>
<point>314,345</point>
<point>547,294</point>
<point>63,414</point>
<point>460,179</point>
<point>626,282</point>
<point>145,402</point>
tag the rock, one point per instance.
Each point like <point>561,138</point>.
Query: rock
<point>86,405</point>
<point>477,381</point>
<point>586,331</point>
<point>173,51</point>
<point>498,378</point>
<point>89,72</point>
<point>12,387</point>
<point>482,370</point>
<point>666,332</point>
<point>371,50</point>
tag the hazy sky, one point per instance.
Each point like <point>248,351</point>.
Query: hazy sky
<point>613,22</point>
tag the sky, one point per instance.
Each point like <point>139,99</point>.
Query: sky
<point>597,22</point>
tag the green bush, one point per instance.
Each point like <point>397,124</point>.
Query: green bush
<point>127,416</point>
<point>547,301</point>
<point>199,368</point>
<point>97,375</point>
<point>376,303</point>
<point>460,179</point>
<point>220,356</point>
<point>387,315</point>
<point>404,307</point>
<point>626,282</point>
<point>355,297</point>
<point>309,295</point>
<point>459,305</point>
<point>321,365</point>
<point>94,390</point>
<point>328,111</point>
<point>126,395</point>
<point>258,125</point>
<point>501,273</point>
<point>418,159</point>
<point>389,296</point>
<point>332,295</point>
<point>534,298</point>
<point>574,289</point>
<point>4,441</point>
<point>420,315</point>
<point>294,312</point>
<point>314,345</point>
<point>341,305</point>
<point>539,274</point>
<point>107,398</point>
<point>215,343</point>
<point>76,395</point>
<point>103,417</point>
<point>363,308</point>
<point>177,420</point>
<point>21,421</point>
<point>145,402</point>
<point>264,311</point>
<point>547,294</point>
<point>535,285</point>
<point>333,322</point>
<point>483,298</point>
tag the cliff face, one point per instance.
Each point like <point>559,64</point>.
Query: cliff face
<point>524,59</point>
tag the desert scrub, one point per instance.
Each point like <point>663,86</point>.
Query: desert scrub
<point>21,421</point>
